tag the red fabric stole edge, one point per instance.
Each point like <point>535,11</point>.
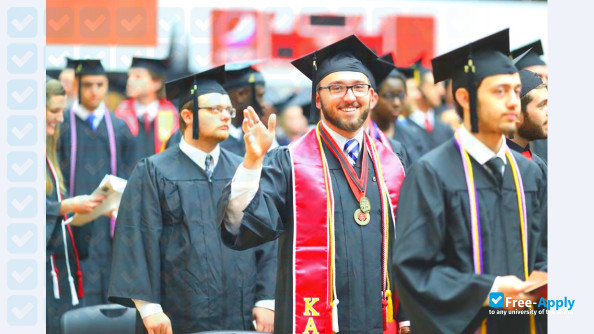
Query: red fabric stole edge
<point>311,238</point>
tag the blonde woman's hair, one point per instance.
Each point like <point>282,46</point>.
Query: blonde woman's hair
<point>52,88</point>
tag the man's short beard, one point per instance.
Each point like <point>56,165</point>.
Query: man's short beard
<point>350,127</point>
<point>530,130</point>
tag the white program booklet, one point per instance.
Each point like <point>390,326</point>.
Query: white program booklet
<point>113,188</point>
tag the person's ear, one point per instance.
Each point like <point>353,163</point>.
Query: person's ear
<point>187,116</point>
<point>462,98</point>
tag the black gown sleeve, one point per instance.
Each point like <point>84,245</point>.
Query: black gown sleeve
<point>263,218</point>
<point>126,156</point>
<point>52,209</point>
<point>541,262</point>
<point>266,268</point>
<point>136,260</point>
<point>437,296</point>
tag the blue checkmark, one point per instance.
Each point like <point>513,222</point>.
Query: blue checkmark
<point>21,130</point>
<point>21,22</point>
<point>21,238</point>
<point>21,166</point>
<point>22,94</point>
<point>496,299</point>
<point>21,310</point>
<point>22,58</point>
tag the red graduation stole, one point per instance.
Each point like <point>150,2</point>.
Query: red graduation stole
<point>165,124</point>
<point>313,234</point>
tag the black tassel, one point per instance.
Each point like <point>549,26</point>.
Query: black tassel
<point>257,106</point>
<point>79,79</point>
<point>195,125</point>
<point>312,107</point>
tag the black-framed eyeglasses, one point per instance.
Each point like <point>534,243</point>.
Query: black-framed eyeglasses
<point>218,110</point>
<point>358,90</point>
<point>391,96</point>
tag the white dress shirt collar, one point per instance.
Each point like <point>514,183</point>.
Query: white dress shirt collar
<point>479,151</point>
<point>199,156</point>
<point>341,141</point>
<point>152,109</point>
<point>419,117</point>
<point>84,114</point>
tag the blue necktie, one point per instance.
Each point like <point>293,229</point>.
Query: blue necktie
<point>91,121</point>
<point>351,148</point>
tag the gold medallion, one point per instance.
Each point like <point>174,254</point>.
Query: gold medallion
<point>364,204</point>
<point>362,218</point>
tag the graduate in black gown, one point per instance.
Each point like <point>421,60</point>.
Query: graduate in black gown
<point>93,143</point>
<point>169,261</point>
<point>424,116</point>
<point>150,117</point>
<point>445,262</point>
<point>532,61</point>
<point>258,205</point>
<point>60,246</point>
<point>533,121</point>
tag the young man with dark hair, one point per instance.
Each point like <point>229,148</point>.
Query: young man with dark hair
<point>327,199</point>
<point>92,144</point>
<point>149,116</point>
<point>472,212</point>
<point>532,124</point>
<point>169,261</point>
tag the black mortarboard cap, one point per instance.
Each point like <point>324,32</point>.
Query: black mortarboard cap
<point>418,71</point>
<point>154,65</point>
<point>532,58</point>
<point>530,80</point>
<point>242,74</point>
<point>405,72</point>
<point>348,54</point>
<point>189,88</point>
<point>87,67</point>
<point>467,65</point>
<point>70,63</point>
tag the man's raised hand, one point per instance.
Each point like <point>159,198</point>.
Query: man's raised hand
<point>257,137</point>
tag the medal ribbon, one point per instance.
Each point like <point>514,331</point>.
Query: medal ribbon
<point>357,184</point>
<point>477,244</point>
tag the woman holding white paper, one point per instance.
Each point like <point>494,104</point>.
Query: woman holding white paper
<point>64,282</point>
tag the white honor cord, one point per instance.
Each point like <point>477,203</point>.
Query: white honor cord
<point>70,279</point>
<point>54,278</point>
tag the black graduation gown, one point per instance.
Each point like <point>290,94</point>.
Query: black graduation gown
<point>535,157</point>
<point>92,164</point>
<point>358,248</point>
<point>412,139</point>
<point>144,143</point>
<point>440,134</point>
<point>401,152</point>
<point>174,139</point>
<point>55,308</point>
<point>433,262</point>
<point>540,147</point>
<point>167,248</point>
<point>234,145</point>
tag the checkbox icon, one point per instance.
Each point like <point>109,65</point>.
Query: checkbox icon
<point>21,310</point>
<point>21,238</point>
<point>131,22</point>
<point>22,166</point>
<point>21,130</point>
<point>21,274</point>
<point>59,22</point>
<point>496,299</point>
<point>22,202</point>
<point>22,58</point>
<point>22,22</point>
<point>22,94</point>
<point>169,17</point>
<point>94,22</point>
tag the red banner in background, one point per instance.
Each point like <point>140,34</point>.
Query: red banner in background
<point>107,22</point>
<point>410,37</point>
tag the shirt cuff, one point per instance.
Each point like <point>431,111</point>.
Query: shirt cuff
<point>244,187</point>
<point>145,308</point>
<point>404,324</point>
<point>493,289</point>
<point>268,303</point>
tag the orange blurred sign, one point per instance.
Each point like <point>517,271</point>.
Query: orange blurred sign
<point>112,22</point>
